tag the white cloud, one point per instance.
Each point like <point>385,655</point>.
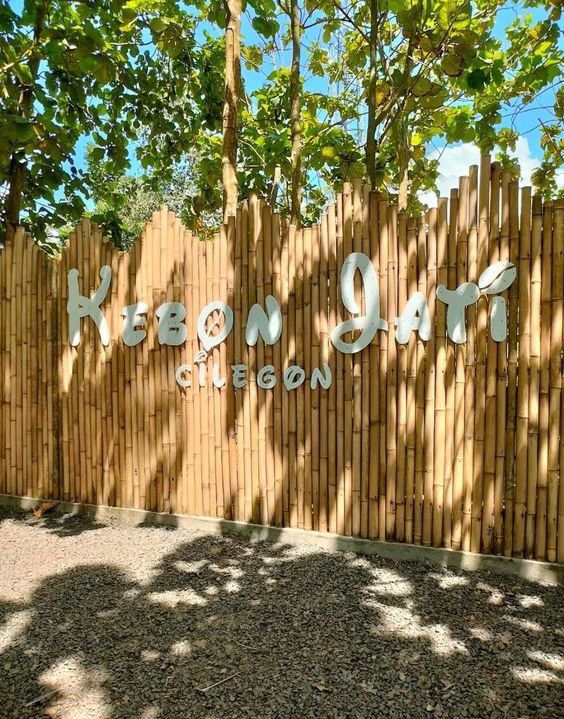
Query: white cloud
<point>456,159</point>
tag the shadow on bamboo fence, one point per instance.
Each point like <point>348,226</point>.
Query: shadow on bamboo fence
<point>455,445</point>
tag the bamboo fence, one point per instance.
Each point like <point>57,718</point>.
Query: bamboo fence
<point>435,443</point>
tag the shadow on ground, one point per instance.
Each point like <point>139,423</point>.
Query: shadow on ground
<point>60,524</point>
<point>281,632</point>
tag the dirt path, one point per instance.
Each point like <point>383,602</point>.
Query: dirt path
<point>115,621</point>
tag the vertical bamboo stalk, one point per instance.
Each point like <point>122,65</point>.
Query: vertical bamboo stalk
<point>284,357</point>
<point>315,355</point>
<point>459,521</point>
<point>507,490</point>
<point>512,353</point>
<point>374,376</point>
<point>471,478</point>
<point>332,436</point>
<point>555,381</point>
<point>481,493</point>
<point>246,302</point>
<point>365,385</point>
<point>522,422</point>
<point>450,375</point>
<point>232,289</point>
<point>402,385</point>
<point>411,382</point>
<point>348,369</point>
<point>257,477</point>
<point>4,299</point>
<point>278,427</point>
<point>326,488</point>
<point>536,530</point>
<point>534,382</point>
<point>305,390</point>
<point>223,426</point>
<point>268,395</point>
<point>239,289</point>
<point>295,513</point>
<point>356,462</point>
<point>340,396</point>
<point>260,361</point>
<point>440,379</point>
<point>420,391</point>
<point>299,392</point>
<point>430,376</point>
<point>196,394</point>
<point>492,524</point>
<point>392,374</point>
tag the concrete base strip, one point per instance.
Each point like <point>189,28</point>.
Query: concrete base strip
<point>541,572</point>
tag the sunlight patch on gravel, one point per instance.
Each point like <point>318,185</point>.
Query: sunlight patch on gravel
<point>79,692</point>
<point>184,596</point>
<point>402,622</point>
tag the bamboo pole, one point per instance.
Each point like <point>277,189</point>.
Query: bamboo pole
<point>383,380</point>
<point>512,339</point>
<point>492,524</point>
<point>472,478</point>
<point>260,399</point>
<point>450,375</point>
<point>332,437</point>
<point>284,357</point>
<point>534,383</point>
<point>374,374</point>
<point>257,477</point>
<point>482,492</point>
<point>430,376</point>
<point>459,520</point>
<point>392,381</point>
<point>555,381</point>
<point>196,401</point>
<point>326,491</point>
<point>420,391</point>
<point>315,356</point>
<point>240,286</point>
<point>411,382</point>
<point>522,422</point>
<point>188,428</point>
<point>340,392</point>
<point>440,379</point>
<point>536,528</point>
<point>219,407</point>
<point>275,437</point>
<point>292,356</point>
<point>365,385</point>
<point>348,379</point>
<point>4,298</point>
<point>299,392</point>
<point>401,499</point>
<point>356,462</point>
<point>507,490</point>
<point>305,395</point>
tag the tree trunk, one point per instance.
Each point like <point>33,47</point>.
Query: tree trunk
<point>230,106</point>
<point>371,147</point>
<point>16,172</point>
<point>295,124</point>
<point>403,158</point>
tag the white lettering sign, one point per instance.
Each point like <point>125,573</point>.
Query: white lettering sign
<point>266,322</point>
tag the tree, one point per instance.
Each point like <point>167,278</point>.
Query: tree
<point>73,69</point>
<point>434,70</point>
<point>295,116</point>
<point>124,203</point>
<point>231,105</point>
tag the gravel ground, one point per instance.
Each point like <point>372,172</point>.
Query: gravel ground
<point>112,621</point>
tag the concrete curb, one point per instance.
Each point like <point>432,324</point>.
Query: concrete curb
<point>541,572</point>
